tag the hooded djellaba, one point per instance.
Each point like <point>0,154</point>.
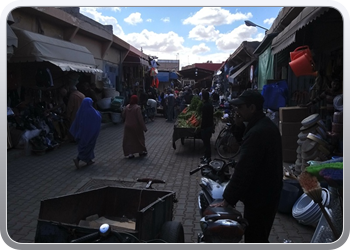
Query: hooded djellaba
<point>134,128</point>
<point>85,129</point>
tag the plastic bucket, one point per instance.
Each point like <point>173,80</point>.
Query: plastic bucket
<point>289,195</point>
<point>299,52</point>
<point>303,65</point>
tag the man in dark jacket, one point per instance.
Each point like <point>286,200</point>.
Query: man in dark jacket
<point>257,179</point>
<point>207,125</point>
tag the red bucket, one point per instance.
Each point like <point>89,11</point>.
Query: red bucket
<point>299,52</point>
<point>303,66</point>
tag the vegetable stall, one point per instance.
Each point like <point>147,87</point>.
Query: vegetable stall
<point>188,123</point>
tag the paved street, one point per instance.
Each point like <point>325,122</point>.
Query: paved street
<point>33,178</point>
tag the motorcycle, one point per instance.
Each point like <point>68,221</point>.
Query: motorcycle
<point>218,224</point>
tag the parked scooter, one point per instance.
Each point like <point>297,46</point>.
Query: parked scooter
<point>218,224</point>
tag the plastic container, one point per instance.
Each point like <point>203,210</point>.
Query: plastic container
<point>116,117</point>
<point>299,52</point>
<point>289,195</point>
<point>104,103</point>
<point>303,65</point>
<point>306,211</point>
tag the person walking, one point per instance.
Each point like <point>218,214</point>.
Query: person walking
<point>74,101</point>
<point>171,105</point>
<point>85,130</point>
<point>207,125</point>
<point>152,104</point>
<point>257,179</point>
<point>163,102</point>
<point>134,128</point>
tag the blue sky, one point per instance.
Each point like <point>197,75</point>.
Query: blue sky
<point>190,34</point>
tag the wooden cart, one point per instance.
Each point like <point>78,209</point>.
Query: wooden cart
<point>151,211</point>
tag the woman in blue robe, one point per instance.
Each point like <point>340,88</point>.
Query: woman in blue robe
<point>85,129</point>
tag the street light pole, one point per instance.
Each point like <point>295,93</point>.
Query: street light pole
<point>249,23</point>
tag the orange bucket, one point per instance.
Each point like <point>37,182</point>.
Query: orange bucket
<point>299,52</point>
<point>303,66</point>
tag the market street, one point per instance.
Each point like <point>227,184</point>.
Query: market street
<point>33,178</point>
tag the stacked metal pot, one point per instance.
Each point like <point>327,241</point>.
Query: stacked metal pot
<point>312,142</point>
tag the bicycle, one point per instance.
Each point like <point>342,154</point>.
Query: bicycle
<point>226,144</point>
<point>148,113</point>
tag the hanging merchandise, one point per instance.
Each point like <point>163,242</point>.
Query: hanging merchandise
<point>299,52</point>
<point>154,71</point>
<point>302,63</point>
<point>154,64</point>
<point>275,95</point>
<point>155,82</point>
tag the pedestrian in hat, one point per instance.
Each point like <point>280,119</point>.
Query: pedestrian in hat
<point>257,179</point>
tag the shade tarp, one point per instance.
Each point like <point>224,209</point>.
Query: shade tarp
<point>33,47</point>
<point>287,36</point>
<point>265,69</point>
<point>232,77</point>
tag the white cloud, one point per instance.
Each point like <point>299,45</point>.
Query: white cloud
<point>201,32</point>
<point>215,16</point>
<point>201,48</point>
<point>94,14</point>
<point>230,41</point>
<point>116,9</point>
<point>269,21</point>
<point>149,20</point>
<point>165,19</point>
<point>133,18</point>
<point>154,43</point>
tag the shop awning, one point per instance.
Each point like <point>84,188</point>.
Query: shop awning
<point>12,39</point>
<point>33,47</point>
<point>232,77</point>
<point>287,36</point>
<point>132,60</point>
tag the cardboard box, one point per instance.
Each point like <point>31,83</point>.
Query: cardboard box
<point>293,114</point>
<point>290,142</point>
<point>289,155</point>
<point>290,128</point>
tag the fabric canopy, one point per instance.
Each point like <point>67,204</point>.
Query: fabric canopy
<point>232,77</point>
<point>33,47</point>
<point>287,36</point>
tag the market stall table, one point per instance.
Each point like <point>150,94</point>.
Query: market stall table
<point>185,133</point>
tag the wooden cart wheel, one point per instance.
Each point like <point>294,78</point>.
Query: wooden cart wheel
<point>172,232</point>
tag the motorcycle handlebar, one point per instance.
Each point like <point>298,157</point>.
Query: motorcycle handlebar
<point>197,169</point>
